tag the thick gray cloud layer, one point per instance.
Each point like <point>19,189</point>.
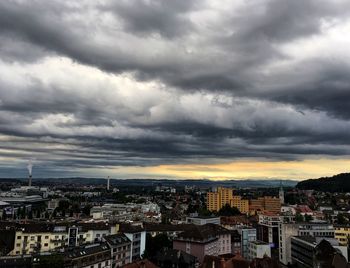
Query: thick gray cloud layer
<point>139,83</point>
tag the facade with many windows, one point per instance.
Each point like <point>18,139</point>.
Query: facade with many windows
<point>342,234</point>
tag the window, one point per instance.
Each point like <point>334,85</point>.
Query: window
<point>32,238</point>
<point>18,245</point>
<point>19,237</point>
<point>46,245</point>
<point>46,237</point>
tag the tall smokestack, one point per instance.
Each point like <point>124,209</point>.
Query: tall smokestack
<point>30,167</point>
<point>108,183</point>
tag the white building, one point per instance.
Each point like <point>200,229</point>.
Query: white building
<point>199,220</point>
<point>288,230</point>
<point>137,236</point>
<point>258,249</point>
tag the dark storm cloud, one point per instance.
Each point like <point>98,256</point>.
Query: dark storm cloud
<point>167,18</point>
<point>221,82</point>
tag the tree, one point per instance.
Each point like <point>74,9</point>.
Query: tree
<point>227,210</point>
<point>155,244</point>
<point>63,205</point>
<point>299,217</point>
<point>341,219</point>
<point>86,210</point>
<point>308,218</point>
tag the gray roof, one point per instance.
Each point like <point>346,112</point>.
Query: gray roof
<point>117,239</point>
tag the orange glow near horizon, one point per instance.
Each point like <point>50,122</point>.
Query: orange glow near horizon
<point>244,169</point>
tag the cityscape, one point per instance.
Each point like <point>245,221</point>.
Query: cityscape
<point>174,134</point>
<point>80,222</point>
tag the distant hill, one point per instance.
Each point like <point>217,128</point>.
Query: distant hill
<point>258,183</point>
<point>337,183</point>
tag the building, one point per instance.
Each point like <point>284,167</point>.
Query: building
<point>19,261</point>
<point>175,259</point>
<point>201,240</point>
<point>202,220</point>
<point>88,256</point>
<point>213,201</point>
<point>342,234</point>
<point>247,235</point>
<point>35,238</point>
<point>171,230</point>
<point>120,247</point>
<point>309,252</point>
<point>241,204</point>
<point>137,236</point>
<point>216,200</point>
<point>288,230</point>
<point>267,228</point>
<point>236,247</point>
<point>266,203</point>
<point>222,196</point>
<point>43,237</point>
<point>258,249</point>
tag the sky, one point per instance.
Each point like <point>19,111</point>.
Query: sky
<point>229,89</point>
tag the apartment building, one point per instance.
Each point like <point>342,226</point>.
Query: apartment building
<point>241,204</point>
<point>88,256</point>
<point>120,246</point>
<point>216,200</point>
<point>342,234</point>
<point>137,236</point>
<point>288,230</point>
<point>201,240</point>
<point>42,237</point>
<point>222,196</point>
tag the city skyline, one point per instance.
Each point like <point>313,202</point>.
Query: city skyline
<point>175,89</point>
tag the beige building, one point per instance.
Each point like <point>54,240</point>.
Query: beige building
<point>31,238</point>
<point>213,201</point>
<point>241,204</point>
<point>342,234</point>
<point>216,200</point>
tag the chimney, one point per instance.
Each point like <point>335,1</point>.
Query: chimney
<point>30,180</point>
<point>108,183</point>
